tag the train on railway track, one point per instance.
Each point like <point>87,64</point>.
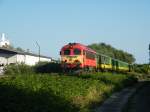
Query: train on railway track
<point>76,56</point>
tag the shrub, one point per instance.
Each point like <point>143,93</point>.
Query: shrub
<point>46,67</point>
<point>18,69</point>
<point>143,68</point>
<point>58,93</point>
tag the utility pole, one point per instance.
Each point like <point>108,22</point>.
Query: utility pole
<point>38,49</point>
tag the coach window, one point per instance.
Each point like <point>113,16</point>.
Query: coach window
<point>77,51</point>
<point>107,60</point>
<point>67,52</point>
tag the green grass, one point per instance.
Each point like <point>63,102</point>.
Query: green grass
<point>58,93</point>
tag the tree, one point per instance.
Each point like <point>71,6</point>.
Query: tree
<point>20,49</point>
<point>105,49</point>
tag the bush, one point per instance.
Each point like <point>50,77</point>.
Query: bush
<point>143,68</point>
<point>119,80</point>
<point>41,67</point>
<point>58,93</point>
<point>45,67</point>
<point>18,69</point>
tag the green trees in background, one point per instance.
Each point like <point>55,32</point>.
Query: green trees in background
<point>142,68</point>
<point>112,52</point>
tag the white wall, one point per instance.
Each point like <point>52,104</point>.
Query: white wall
<point>20,58</point>
<point>32,60</point>
<point>12,59</point>
<point>7,58</point>
<point>45,59</point>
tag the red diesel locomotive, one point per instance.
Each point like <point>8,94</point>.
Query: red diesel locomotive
<point>75,56</point>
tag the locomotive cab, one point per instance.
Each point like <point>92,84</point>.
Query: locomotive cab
<point>78,56</point>
<point>71,56</point>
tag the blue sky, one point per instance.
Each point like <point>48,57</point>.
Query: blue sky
<point>124,24</point>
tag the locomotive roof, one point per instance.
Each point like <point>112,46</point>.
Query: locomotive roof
<point>78,45</point>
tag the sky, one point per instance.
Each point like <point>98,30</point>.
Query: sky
<point>124,24</point>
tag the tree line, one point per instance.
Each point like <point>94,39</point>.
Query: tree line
<point>108,50</point>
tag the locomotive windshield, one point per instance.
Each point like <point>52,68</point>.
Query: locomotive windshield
<point>67,52</point>
<point>77,52</point>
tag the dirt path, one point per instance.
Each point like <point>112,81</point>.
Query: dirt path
<point>140,102</point>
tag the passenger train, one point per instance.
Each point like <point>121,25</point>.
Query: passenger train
<point>75,56</point>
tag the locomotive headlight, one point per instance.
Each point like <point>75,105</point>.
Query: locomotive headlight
<point>70,46</point>
<point>77,62</point>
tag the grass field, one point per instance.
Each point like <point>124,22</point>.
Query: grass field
<point>58,93</point>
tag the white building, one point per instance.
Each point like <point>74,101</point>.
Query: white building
<point>4,42</point>
<point>8,56</point>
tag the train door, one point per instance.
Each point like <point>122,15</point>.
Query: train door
<point>99,62</point>
<point>113,63</point>
<point>117,65</point>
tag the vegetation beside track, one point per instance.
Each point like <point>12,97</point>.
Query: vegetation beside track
<point>58,93</point>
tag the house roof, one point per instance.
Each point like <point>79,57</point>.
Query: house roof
<point>12,51</point>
